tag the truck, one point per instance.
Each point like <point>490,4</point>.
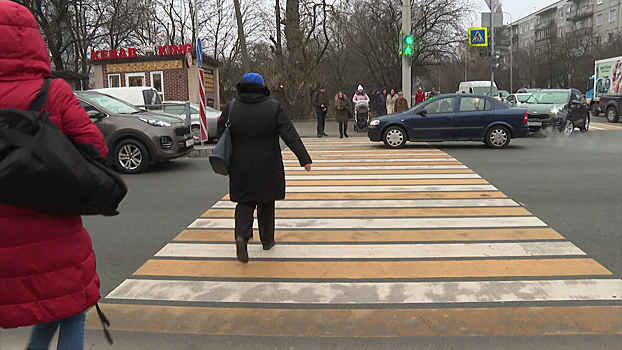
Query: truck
<point>607,79</point>
<point>612,105</point>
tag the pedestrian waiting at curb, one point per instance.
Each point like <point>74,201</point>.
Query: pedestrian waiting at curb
<point>320,103</point>
<point>382,102</point>
<point>419,96</point>
<point>47,264</point>
<point>343,113</point>
<point>360,95</point>
<point>391,102</point>
<point>401,104</point>
<point>257,176</point>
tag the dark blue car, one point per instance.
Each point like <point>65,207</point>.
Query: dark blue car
<point>452,117</point>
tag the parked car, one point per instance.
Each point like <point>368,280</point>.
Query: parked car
<point>135,137</point>
<point>559,109</point>
<point>517,99</point>
<point>612,105</point>
<point>178,108</point>
<point>452,117</point>
<point>134,95</point>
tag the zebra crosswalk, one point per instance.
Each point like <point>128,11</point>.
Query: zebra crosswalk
<point>374,242</point>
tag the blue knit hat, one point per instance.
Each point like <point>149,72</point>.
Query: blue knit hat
<point>253,78</point>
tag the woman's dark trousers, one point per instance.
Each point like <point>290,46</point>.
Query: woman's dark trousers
<point>265,218</point>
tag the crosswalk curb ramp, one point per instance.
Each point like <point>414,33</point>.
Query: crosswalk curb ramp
<point>374,243</point>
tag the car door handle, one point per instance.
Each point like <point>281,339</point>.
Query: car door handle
<point>485,116</point>
<point>449,118</point>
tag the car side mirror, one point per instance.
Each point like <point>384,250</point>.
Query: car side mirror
<point>422,112</point>
<point>576,102</point>
<point>95,114</point>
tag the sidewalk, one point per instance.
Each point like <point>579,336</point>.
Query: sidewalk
<point>305,128</point>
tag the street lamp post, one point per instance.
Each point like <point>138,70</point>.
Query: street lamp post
<point>511,52</point>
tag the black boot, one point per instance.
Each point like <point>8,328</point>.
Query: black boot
<point>241,251</point>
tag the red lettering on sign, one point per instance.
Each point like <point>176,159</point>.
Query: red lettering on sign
<point>94,55</point>
<point>177,50</point>
<point>162,51</point>
<point>122,53</point>
<point>112,54</point>
<point>104,54</point>
<point>187,48</point>
<point>131,52</point>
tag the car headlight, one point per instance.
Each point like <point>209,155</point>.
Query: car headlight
<point>154,122</point>
<point>374,122</point>
<point>556,110</point>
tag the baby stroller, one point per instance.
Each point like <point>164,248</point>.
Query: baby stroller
<point>361,115</point>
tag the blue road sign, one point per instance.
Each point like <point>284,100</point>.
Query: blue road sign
<point>478,36</point>
<point>199,53</point>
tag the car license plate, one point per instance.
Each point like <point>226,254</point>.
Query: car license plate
<point>189,142</point>
<point>534,123</point>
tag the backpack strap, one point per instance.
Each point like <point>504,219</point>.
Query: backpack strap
<point>41,100</point>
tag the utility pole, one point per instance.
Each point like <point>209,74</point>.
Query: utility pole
<point>406,60</point>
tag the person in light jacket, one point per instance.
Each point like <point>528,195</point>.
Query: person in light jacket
<point>257,176</point>
<point>360,95</point>
<point>47,263</point>
<point>391,102</point>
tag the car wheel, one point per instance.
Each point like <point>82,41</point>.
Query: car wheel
<point>130,156</point>
<point>568,128</point>
<point>394,137</point>
<point>586,125</point>
<point>498,137</point>
<point>594,110</point>
<point>612,115</point>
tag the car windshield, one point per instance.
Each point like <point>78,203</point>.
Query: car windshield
<point>111,104</point>
<point>549,97</point>
<point>485,90</point>
<point>180,108</point>
<point>522,98</point>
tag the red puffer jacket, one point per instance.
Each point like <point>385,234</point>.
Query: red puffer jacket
<point>47,264</point>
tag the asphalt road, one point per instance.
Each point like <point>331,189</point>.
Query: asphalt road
<point>572,184</point>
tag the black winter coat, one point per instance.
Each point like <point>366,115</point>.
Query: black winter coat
<point>257,121</point>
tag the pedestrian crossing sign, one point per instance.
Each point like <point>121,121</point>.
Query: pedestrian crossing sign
<point>478,36</point>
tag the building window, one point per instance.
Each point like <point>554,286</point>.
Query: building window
<point>612,15</point>
<point>569,8</point>
<point>157,82</point>
<point>560,32</point>
<point>599,19</point>
<point>561,13</point>
<point>579,25</point>
<point>135,79</point>
<point>589,22</point>
<point>114,80</point>
<point>599,2</point>
<point>521,29</point>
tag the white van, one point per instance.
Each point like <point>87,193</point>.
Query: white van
<point>134,95</point>
<point>481,87</point>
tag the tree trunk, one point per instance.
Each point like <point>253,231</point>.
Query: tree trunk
<point>241,37</point>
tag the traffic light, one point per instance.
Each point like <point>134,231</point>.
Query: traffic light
<point>409,45</point>
<point>494,62</point>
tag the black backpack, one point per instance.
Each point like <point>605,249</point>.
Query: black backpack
<point>42,169</point>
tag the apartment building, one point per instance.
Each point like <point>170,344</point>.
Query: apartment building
<point>599,20</point>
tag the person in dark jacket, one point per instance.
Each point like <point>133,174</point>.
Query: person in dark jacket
<point>47,264</point>
<point>343,113</point>
<point>382,102</point>
<point>320,104</point>
<point>257,176</point>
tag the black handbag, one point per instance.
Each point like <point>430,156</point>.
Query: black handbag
<point>220,160</point>
<point>42,169</point>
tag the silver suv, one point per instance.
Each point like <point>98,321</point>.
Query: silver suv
<point>136,138</point>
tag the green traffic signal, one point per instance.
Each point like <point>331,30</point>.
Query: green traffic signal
<point>409,42</point>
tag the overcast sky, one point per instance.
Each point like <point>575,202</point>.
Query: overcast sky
<point>517,8</point>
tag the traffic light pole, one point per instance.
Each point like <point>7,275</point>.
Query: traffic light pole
<point>406,60</point>
<point>493,60</point>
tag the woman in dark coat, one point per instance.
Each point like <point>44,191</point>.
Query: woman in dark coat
<point>342,107</point>
<point>257,177</point>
